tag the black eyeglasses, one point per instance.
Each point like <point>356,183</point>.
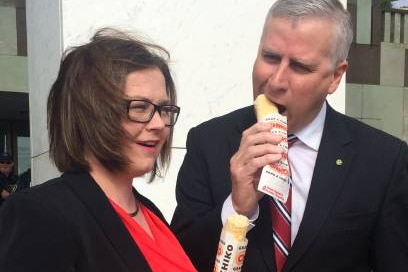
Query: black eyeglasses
<point>142,111</point>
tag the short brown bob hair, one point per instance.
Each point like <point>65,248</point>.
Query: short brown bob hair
<point>86,102</point>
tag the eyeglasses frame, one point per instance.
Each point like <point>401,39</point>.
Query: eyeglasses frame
<point>156,107</point>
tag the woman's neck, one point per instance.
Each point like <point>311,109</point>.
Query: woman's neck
<point>116,185</point>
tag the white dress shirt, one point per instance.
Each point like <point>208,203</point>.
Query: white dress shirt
<point>302,159</point>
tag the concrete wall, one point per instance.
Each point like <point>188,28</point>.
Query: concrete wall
<point>13,73</point>
<point>405,116</point>
<point>378,75</point>
<point>8,31</point>
<point>392,64</point>
<point>13,68</point>
<point>44,49</point>
<point>377,105</point>
<point>363,24</point>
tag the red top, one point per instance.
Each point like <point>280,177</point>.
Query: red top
<point>163,253</point>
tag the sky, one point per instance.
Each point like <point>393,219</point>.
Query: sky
<point>400,3</point>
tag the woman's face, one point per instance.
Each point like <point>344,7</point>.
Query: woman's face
<point>146,139</point>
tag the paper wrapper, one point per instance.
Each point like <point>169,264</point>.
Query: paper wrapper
<point>274,179</point>
<point>232,245</point>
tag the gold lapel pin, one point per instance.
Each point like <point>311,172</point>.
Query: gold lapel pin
<point>339,162</point>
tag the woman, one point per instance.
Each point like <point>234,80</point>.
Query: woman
<point>111,112</point>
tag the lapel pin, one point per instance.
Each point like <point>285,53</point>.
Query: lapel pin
<point>339,162</point>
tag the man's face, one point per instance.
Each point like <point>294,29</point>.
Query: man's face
<point>6,168</point>
<point>294,68</point>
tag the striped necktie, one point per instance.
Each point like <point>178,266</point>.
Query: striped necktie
<point>281,221</point>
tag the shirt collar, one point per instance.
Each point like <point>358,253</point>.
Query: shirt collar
<point>311,135</point>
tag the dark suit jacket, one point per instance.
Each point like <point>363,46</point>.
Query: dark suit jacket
<point>67,224</point>
<point>356,216</point>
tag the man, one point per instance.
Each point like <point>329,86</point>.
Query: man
<point>349,181</point>
<point>8,181</point>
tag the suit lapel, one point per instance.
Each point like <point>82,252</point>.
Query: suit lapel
<point>246,120</point>
<point>95,201</point>
<point>263,234</point>
<point>332,164</point>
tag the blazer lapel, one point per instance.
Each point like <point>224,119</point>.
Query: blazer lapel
<point>94,199</point>
<point>334,157</point>
<point>248,119</point>
<point>263,234</point>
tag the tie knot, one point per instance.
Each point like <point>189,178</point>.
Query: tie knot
<point>291,139</point>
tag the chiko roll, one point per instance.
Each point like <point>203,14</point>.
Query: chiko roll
<point>232,245</point>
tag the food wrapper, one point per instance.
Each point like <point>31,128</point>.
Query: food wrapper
<point>274,179</point>
<point>232,245</point>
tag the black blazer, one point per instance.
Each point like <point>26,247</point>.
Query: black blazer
<point>356,216</point>
<point>67,224</point>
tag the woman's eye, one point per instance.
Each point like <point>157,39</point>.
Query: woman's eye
<point>138,107</point>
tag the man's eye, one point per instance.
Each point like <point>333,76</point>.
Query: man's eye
<point>300,68</point>
<point>272,58</point>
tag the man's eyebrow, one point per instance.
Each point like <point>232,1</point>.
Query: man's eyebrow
<point>307,64</point>
<point>270,52</point>
<point>296,61</point>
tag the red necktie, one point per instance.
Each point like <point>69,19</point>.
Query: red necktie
<point>281,220</point>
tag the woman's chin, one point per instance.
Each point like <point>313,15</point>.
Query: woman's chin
<point>140,170</point>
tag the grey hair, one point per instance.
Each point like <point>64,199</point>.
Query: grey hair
<point>331,10</point>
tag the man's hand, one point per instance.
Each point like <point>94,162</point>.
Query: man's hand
<point>4,194</point>
<point>258,148</point>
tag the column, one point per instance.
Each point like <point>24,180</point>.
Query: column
<point>363,27</point>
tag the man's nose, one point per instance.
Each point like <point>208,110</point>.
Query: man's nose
<point>279,78</point>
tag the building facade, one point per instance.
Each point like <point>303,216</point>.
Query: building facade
<point>14,102</point>
<point>377,79</point>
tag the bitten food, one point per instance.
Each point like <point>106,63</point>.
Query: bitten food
<point>232,245</point>
<point>237,225</point>
<point>263,107</point>
<point>274,179</point>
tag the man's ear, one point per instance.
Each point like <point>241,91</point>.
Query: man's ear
<point>337,75</point>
